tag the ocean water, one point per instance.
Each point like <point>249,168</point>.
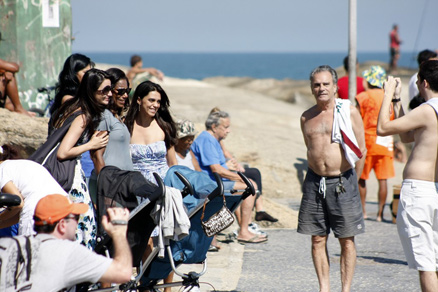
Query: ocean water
<point>257,65</point>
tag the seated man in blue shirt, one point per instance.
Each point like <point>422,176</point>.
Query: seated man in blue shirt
<point>210,156</point>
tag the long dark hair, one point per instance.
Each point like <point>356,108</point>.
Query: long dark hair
<point>115,76</point>
<point>163,116</point>
<point>10,151</point>
<point>85,101</point>
<point>68,82</point>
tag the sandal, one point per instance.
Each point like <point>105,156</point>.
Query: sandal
<point>255,239</point>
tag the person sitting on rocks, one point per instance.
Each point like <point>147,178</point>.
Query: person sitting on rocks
<point>9,97</point>
<point>137,68</point>
<point>210,156</point>
<point>252,173</point>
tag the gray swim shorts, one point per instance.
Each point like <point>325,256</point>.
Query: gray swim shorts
<point>323,208</point>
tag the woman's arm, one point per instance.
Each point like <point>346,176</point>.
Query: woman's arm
<point>195,161</point>
<point>171,157</point>
<point>68,150</point>
<point>97,158</point>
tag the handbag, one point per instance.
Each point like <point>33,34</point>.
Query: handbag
<point>219,221</point>
<point>46,155</point>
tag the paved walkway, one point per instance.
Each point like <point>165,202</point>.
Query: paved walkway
<point>284,262</point>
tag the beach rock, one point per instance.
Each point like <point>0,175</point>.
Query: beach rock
<point>285,90</point>
<point>26,132</point>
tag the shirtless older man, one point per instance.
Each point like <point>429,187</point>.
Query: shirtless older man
<point>417,221</point>
<point>334,135</point>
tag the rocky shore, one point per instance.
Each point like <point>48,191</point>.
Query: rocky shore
<point>264,119</point>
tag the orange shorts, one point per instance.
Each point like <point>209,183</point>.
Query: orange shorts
<point>383,167</point>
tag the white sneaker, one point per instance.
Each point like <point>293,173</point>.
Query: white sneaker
<point>254,228</point>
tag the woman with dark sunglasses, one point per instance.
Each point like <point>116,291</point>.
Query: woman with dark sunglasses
<point>119,104</point>
<point>116,152</point>
<point>92,98</point>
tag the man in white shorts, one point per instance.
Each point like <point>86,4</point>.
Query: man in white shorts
<point>417,222</point>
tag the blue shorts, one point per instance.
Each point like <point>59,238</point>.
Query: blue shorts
<point>228,185</point>
<point>321,212</point>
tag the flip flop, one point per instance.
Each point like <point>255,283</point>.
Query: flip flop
<point>255,239</point>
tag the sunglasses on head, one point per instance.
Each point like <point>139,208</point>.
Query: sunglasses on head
<point>104,91</point>
<point>121,91</point>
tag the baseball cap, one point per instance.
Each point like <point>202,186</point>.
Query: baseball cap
<point>185,128</point>
<point>376,76</point>
<point>53,208</point>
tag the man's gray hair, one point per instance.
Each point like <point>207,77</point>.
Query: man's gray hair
<point>324,68</point>
<point>214,119</point>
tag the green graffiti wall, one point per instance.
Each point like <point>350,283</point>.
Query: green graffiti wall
<point>36,34</point>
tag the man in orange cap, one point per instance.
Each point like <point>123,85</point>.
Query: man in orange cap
<point>66,262</point>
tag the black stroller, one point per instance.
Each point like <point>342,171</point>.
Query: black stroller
<point>193,248</point>
<point>119,188</point>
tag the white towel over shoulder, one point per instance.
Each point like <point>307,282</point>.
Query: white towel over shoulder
<point>342,131</point>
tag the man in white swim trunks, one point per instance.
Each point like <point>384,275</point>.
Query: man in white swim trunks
<point>417,220</point>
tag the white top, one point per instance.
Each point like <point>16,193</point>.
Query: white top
<point>413,89</point>
<point>186,161</point>
<point>34,182</point>
<point>63,263</point>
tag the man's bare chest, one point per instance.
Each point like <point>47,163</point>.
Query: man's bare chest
<point>321,125</point>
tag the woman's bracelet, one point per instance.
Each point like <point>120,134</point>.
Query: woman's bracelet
<point>119,222</point>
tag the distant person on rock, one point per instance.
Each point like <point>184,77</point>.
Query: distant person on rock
<point>137,68</point>
<point>417,222</point>
<point>9,97</point>
<point>394,48</point>
<point>334,136</point>
<point>343,82</point>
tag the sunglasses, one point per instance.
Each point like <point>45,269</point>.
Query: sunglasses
<point>121,91</point>
<point>104,91</point>
<point>72,216</point>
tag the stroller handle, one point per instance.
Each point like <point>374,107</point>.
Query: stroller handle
<point>159,191</point>
<point>188,188</point>
<point>9,200</point>
<point>219,191</point>
<point>250,190</point>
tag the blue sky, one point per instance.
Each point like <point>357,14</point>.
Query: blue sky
<point>249,25</point>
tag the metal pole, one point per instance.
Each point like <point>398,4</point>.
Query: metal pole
<point>352,51</point>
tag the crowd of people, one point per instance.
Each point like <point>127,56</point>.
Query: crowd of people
<point>104,127</point>
<point>346,141</point>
